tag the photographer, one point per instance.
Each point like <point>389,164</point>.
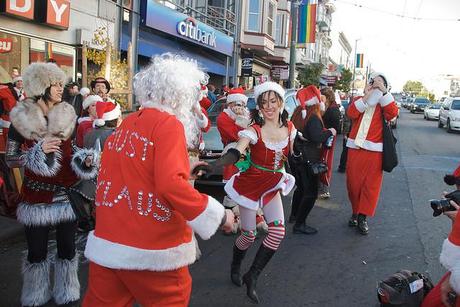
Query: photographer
<point>446,292</point>
<point>307,150</point>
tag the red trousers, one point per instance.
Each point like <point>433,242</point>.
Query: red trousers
<point>121,288</point>
<point>364,180</point>
<point>433,299</point>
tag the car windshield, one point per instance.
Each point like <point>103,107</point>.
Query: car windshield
<point>435,106</point>
<point>455,105</point>
<point>422,101</point>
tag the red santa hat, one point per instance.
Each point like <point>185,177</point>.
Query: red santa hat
<point>106,110</point>
<point>308,96</point>
<point>90,100</point>
<point>237,94</point>
<point>454,178</point>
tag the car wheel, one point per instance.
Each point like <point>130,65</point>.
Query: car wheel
<point>425,117</point>
<point>440,125</point>
<point>449,129</point>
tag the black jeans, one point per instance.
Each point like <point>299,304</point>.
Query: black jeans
<point>306,192</point>
<point>37,241</point>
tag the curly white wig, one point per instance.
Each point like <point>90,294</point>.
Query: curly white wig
<point>38,77</point>
<point>172,83</point>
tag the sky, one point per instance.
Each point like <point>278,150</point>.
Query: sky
<point>403,48</point>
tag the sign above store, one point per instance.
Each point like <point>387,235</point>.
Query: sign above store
<point>167,20</point>
<point>55,13</point>
<point>6,45</point>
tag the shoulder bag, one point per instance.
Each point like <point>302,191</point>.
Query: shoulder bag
<point>390,156</point>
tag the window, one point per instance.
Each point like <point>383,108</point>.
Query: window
<point>253,16</point>
<point>270,18</point>
<point>279,30</point>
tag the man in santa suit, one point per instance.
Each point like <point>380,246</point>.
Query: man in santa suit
<point>364,166</point>
<point>146,211</point>
<point>232,120</point>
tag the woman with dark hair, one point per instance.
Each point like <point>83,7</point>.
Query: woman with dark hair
<point>269,140</point>
<point>307,150</point>
<point>331,119</point>
<point>39,140</point>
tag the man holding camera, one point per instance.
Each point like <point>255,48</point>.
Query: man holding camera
<point>447,290</point>
<point>365,143</point>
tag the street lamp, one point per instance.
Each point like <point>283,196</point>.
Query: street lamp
<point>292,53</point>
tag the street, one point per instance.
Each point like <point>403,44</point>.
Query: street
<point>338,266</point>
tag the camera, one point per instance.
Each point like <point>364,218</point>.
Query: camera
<point>442,205</point>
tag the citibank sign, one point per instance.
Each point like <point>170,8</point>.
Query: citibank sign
<point>190,29</point>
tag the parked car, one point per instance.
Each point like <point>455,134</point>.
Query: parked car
<point>449,114</point>
<point>432,112</point>
<point>419,104</point>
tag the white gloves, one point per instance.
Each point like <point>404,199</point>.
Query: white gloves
<point>373,97</point>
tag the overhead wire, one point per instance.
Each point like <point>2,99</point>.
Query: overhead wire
<point>403,15</point>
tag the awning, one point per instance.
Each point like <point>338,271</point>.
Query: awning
<point>150,44</point>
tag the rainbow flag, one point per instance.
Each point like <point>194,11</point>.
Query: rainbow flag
<point>359,60</point>
<point>306,28</point>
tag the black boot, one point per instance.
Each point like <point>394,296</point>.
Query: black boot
<point>238,256</point>
<point>263,256</point>
<point>363,228</point>
<point>353,221</point>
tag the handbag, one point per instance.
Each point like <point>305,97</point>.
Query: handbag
<point>303,152</point>
<point>81,196</point>
<point>390,156</point>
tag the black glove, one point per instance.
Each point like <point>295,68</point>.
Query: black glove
<point>230,157</point>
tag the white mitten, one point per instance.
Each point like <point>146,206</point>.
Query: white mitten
<point>374,97</point>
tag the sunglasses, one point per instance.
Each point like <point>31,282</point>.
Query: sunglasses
<point>238,105</point>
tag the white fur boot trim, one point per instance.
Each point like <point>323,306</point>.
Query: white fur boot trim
<point>36,283</point>
<point>66,285</point>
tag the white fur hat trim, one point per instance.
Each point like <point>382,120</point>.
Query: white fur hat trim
<point>85,91</point>
<point>312,101</point>
<point>111,115</point>
<point>38,77</point>
<point>268,86</point>
<point>16,79</point>
<point>237,97</point>
<point>90,100</point>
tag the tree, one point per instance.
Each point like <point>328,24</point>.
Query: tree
<point>107,63</point>
<point>344,83</point>
<point>310,74</point>
<point>413,87</point>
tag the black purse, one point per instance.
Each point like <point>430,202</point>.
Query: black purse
<point>303,154</point>
<point>390,156</point>
<point>81,196</point>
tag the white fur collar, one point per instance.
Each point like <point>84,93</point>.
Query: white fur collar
<point>28,119</point>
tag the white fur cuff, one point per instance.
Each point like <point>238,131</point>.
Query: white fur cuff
<point>206,224</point>
<point>40,163</point>
<point>66,285</point>
<point>249,134</point>
<point>78,163</point>
<point>360,105</point>
<point>450,255</point>
<point>386,99</point>
<point>202,122</point>
<point>45,215</point>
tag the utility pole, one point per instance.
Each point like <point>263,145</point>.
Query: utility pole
<point>118,25</point>
<point>354,70</point>
<point>236,44</point>
<point>292,54</point>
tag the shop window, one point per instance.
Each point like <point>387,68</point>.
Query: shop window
<point>41,51</point>
<point>254,16</point>
<point>270,18</point>
<point>10,56</point>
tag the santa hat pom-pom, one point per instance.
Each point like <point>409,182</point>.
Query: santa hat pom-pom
<point>99,122</point>
<point>304,113</point>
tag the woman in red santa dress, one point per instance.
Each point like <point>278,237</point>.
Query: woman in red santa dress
<point>269,140</point>
<point>364,165</point>
<point>146,210</point>
<point>85,123</point>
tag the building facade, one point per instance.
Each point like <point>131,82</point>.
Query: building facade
<point>202,30</point>
<point>37,30</point>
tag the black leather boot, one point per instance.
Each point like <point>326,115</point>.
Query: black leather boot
<point>363,228</point>
<point>263,256</point>
<point>353,221</point>
<point>238,256</point>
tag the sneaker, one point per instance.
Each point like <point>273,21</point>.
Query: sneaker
<point>325,195</point>
<point>353,221</point>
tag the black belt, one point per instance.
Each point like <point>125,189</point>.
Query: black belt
<point>35,185</point>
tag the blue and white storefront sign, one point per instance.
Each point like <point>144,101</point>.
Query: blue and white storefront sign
<point>167,20</point>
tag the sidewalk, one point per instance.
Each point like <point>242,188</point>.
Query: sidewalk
<point>10,229</point>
